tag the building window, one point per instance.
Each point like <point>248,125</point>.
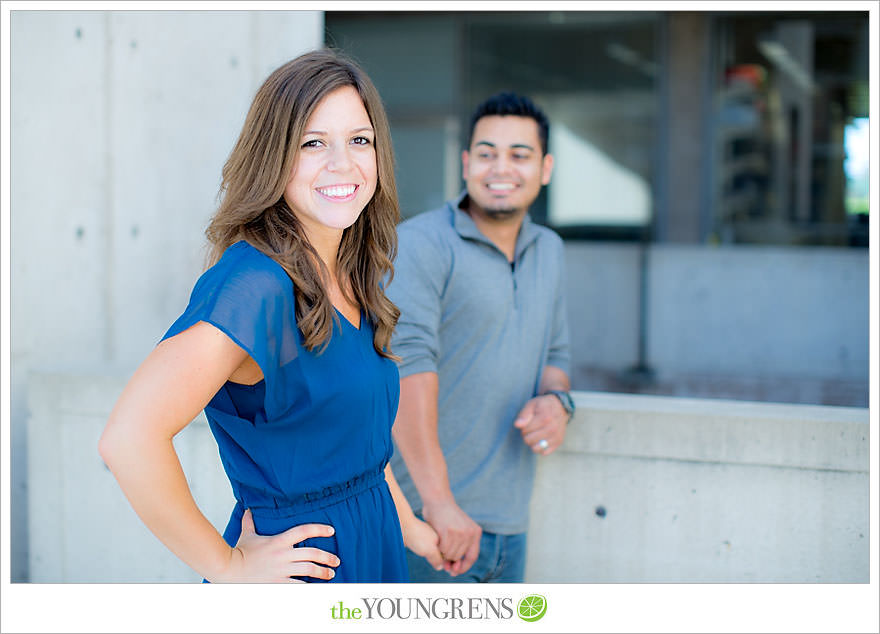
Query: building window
<point>594,73</point>
<point>791,95</point>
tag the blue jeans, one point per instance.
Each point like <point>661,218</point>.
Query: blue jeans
<point>502,559</point>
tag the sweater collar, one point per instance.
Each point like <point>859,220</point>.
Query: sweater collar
<point>467,228</point>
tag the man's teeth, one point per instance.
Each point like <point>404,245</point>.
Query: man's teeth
<point>339,191</point>
<point>501,186</point>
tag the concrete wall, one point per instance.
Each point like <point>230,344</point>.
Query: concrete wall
<point>693,491</point>
<point>120,124</point>
<point>82,528</point>
<point>746,322</point>
<point>656,489</point>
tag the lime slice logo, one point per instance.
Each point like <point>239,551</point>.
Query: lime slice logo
<point>532,608</point>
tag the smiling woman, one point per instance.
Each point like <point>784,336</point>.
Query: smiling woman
<point>337,134</point>
<point>301,242</point>
<point>335,174</point>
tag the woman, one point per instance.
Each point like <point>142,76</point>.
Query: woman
<point>285,345</point>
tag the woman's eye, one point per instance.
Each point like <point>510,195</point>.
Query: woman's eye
<point>312,143</point>
<point>361,140</point>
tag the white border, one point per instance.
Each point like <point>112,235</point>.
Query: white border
<point>571,607</point>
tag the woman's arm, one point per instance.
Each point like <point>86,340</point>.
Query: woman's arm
<point>418,536</point>
<point>415,432</point>
<point>168,390</point>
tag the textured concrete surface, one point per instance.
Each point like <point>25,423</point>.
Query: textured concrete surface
<point>645,489</point>
<point>120,124</point>
<point>658,489</point>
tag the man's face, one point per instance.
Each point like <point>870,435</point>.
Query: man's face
<point>504,168</point>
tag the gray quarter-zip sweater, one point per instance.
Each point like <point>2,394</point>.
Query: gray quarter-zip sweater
<point>487,327</point>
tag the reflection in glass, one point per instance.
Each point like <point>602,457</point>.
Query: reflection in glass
<point>790,129</point>
<point>595,75</point>
<point>584,176</point>
<point>855,142</point>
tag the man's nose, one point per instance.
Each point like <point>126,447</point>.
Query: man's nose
<point>502,164</point>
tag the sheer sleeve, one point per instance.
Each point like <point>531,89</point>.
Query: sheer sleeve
<point>249,297</point>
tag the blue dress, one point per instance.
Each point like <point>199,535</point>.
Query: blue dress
<point>310,441</point>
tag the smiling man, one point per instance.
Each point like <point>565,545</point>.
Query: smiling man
<point>483,339</point>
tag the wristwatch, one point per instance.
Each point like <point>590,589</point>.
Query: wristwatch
<point>566,400</point>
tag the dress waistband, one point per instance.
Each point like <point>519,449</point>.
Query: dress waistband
<point>267,505</point>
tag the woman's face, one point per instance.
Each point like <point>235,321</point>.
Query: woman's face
<point>335,174</point>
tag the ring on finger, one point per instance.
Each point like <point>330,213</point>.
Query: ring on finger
<point>543,444</point>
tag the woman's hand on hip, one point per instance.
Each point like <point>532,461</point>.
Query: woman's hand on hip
<point>273,558</point>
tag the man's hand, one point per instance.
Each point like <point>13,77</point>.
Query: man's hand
<point>542,422</point>
<point>459,535</point>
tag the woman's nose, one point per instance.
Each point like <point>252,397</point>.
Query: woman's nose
<point>340,159</point>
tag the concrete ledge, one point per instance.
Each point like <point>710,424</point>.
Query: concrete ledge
<point>710,430</point>
<point>82,529</point>
<point>645,489</point>
<point>668,490</point>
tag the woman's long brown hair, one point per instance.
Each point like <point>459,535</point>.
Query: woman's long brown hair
<point>253,207</point>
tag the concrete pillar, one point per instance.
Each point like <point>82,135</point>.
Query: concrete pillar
<point>120,124</point>
<point>687,74</point>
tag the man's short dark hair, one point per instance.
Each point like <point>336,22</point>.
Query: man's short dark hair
<point>509,103</point>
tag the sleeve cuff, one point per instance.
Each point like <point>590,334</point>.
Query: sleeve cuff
<point>563,363</point>
<point>415,366</point>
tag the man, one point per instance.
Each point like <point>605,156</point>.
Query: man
<point>483,339</point>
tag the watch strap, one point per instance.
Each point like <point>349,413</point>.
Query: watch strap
<point>566,400</point>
